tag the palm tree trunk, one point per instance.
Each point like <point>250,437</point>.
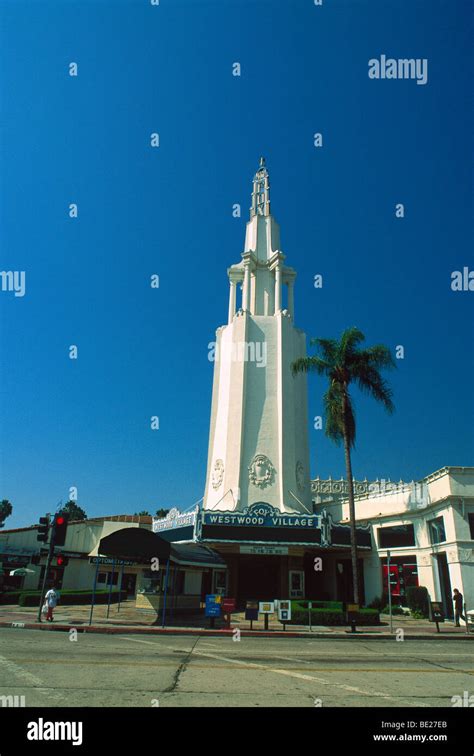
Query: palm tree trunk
<point>350,486</point>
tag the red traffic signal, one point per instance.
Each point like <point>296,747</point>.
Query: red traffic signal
<point>60,528</point>
<point>62,561</point>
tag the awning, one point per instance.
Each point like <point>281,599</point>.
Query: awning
<point>142,545</point>
<point>196,555</point>
<point>134,543</point>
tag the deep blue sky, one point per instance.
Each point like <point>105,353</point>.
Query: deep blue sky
<point>143,352</point>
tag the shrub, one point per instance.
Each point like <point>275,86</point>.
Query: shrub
<point>9,597</point>
<point>321,616</point>
<point>335,606</point>
<point>395,610</point>
<point>417,599</point>
<point>379,602</point>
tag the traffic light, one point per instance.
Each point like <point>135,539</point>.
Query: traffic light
<point>62,561</point>
<point>60,528</point>
<point>43,529</point>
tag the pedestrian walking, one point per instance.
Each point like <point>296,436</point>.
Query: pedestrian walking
<point>458,606</point>
<point>51,599</point>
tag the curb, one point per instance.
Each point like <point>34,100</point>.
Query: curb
<point>133,630</point>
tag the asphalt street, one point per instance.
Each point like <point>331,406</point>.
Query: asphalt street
<point>53,669</point>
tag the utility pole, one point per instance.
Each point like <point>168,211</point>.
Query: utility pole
<point>46,572</point>
<point>58,527</point>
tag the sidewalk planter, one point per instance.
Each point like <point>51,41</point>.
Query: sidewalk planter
<point>330,613</point>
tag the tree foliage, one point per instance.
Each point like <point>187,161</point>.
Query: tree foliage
<point>5,511</point>
<point>74,511</point>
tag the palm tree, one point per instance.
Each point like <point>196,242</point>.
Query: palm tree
<point>343,363</point>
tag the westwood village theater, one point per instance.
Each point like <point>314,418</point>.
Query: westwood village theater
<point>265,530</point>
<point>257,510</point>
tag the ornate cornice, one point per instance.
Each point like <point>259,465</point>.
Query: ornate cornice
<point>361,487</point>
<point>383,486</point>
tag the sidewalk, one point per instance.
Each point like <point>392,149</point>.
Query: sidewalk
<point>130,619</point>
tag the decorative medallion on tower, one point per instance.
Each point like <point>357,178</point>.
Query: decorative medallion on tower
<point>217,474</point>
<point>300,476</point>
<point>261,471</point>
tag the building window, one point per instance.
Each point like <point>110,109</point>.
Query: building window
<point>151,581</point>
<point>471,524</point>
<point>396,536</point>
<point>437,532</point>
<point>220,582</point>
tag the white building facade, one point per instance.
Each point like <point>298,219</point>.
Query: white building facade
<point>427,527</point>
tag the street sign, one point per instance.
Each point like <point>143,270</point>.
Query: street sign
<point>105,560</point>
<point>213,605</point>
<point>284,610</point>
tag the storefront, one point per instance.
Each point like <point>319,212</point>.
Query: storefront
<point>403,574</point>
<point>10,563</point>
<point>269,555</point>
<point>176,576</point>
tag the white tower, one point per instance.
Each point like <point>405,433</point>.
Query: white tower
<point>258,443</point>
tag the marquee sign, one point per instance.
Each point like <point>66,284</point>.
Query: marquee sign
<point>260,514</point>
<point>265,550</point>
<point>174,519</point>
<point>111,561</point>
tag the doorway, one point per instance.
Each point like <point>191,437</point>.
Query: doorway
<point>129,581</point>
<point>445,584</point>
<point>345,583</point>
<point>259,578</point>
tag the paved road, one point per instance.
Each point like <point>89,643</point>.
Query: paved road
<point>49,669</point>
